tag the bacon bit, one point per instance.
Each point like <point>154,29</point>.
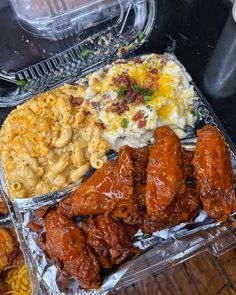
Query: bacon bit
<point>100,125</point>
<point>35,226</point>
<point>139,115</point>
<point>119,107</point>
<point>122,50</point>
<point>153,71</point>
<point>78,100</point>
<point>96,105</point>
<point>137,60</point>
<point>86,113</point>
<point>142,123</point>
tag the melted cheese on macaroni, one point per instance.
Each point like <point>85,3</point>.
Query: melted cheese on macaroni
<point>50,142</point>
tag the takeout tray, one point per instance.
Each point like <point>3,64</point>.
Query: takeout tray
<point>160,251</point>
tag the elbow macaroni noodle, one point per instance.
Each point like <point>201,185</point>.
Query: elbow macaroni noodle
<point>48,143</point>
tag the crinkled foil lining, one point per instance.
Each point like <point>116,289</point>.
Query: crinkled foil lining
<point>158,251</point>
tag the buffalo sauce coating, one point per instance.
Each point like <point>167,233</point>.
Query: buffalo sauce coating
<point>111,239</point>
<point>214,174</point>
<point>108,190</point>
<point>165,171</point>
<point>183,208</point>
<point>66,245</point>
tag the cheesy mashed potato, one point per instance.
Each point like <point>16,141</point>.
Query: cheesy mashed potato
<point>52,140</point>
<point>136,96</point>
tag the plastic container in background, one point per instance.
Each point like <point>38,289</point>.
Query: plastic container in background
<point>58,19</point>
<point>220,75</point>
<point>109,29</point>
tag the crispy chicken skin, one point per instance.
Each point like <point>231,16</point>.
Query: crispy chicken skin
<point>8,249</point>
<point>111,239</point>
<point>214,174</point>
<point>66,245</point>
<point>184,208</point>
<point>165,171</point>
<point>109,190</point>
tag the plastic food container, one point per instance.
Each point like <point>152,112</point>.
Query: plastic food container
<point>67,60</point>
<point>57,19</point>
<point>125,26</point>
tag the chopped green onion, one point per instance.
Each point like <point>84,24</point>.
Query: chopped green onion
<point>85,53</point>
<point>129,100</point>
<point>194,113</point>
<point>136,87</point>
<point>124,123</point>
<point>141,36</point>
<point>142,90</point>
<point>122,90</point>
<point>147,98</point>
<point>20,82</point>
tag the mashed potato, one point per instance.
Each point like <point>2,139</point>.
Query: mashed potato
<point>134,97</point>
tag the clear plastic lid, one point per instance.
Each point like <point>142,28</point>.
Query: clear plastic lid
<point>57,19</point>
<point>40,64</point>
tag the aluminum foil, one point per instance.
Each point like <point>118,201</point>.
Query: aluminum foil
<point>159,251</point>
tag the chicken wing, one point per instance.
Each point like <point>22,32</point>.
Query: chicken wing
<point>110,239</point>
<point>214,174</point>
<point>165,171</point>
<point>109,190</point>
<point>184,208</point>
<point>7,249</point>
<point>66,245</point>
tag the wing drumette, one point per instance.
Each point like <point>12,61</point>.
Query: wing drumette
<point>66,245</point>
<point>109,190</point>
<point>214,174</point>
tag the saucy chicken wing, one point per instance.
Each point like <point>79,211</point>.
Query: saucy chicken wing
<point>110,239</point>
<point>165,172</point>
<point>109,190</point>
<point>184,208</point>
<point>214,174</point>
<point>66,246</point>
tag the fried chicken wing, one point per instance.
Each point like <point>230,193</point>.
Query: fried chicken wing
<point>109,190</point>
<point>165,171</point>
<point>110,239</point>
<point>66,245</point>
<point>7,249</point>
<point>214,174</point>
<point>184,208</point>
